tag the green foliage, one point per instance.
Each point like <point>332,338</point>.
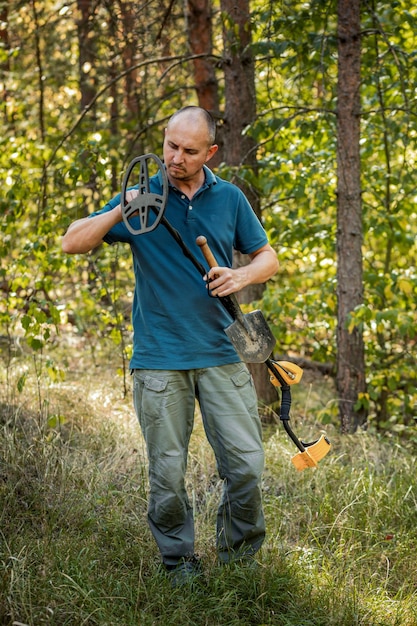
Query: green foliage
<point>61,162</point>
<point>296,131</point>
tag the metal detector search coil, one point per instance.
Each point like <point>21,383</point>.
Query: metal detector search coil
<point>147,207</point>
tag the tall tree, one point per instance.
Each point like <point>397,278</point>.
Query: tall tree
<point>240,147</point>
<point>5,62</point>
<point>200,39</point>
<point>350,377</point>
<point>87,52</point>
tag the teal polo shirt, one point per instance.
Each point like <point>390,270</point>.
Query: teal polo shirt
<point>177,325</point>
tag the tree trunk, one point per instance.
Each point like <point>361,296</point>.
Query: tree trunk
<point>200,39</point>
<point>5,63</point>
<point>87,72</point>
<point>86,47</point>
<point>129,54</point>
<point>239,149</point>
<point>350,377</point>
<point>114,125</point>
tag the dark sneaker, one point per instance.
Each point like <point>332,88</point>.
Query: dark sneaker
<point>187,572</point>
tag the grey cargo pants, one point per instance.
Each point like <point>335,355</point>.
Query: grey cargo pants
<point>164,401</point>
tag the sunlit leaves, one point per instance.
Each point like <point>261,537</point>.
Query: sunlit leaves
<point>45,187</point>
<point>297,151</point>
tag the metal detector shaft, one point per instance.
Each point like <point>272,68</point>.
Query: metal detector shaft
<point>187,252</point>
<point>241,333</point>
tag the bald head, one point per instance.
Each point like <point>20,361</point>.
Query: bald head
<point>188,145</point>
<point>196,116</point>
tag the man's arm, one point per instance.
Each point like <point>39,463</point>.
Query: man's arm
<point>87,233</point>
<point>262,266</point>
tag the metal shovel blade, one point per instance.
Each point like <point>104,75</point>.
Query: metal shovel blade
<point>251,337</point>
<point>249,333</point>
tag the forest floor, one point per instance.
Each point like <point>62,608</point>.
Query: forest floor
<point>75,547</point>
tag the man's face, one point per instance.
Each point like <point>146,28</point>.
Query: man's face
<point>186,148</point>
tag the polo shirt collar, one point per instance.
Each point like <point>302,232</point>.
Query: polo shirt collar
<point>210,177</point>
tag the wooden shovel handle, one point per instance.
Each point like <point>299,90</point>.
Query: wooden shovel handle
<point>205,249</point>
<point>229,302</point>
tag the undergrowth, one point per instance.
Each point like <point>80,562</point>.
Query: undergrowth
<point>75,547</point>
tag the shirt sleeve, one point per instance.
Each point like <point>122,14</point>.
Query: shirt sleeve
<point>250,234</point>
<point>117,233</point>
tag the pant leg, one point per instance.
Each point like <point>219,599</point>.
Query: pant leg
<point>229,410</point>
<point>165,404</point>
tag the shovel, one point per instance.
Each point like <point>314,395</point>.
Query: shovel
<point>249,333</point>
<point>242,334</point>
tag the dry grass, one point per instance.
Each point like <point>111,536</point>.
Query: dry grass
<point>75,547</point>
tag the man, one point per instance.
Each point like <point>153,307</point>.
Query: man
<point>181,353</point>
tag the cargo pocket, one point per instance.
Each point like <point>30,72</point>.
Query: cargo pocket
<point>243,381</point>
<point>149,397</point>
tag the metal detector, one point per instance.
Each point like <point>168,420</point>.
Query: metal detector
<point>249,333</point>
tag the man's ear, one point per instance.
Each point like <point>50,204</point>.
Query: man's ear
<point>211,151</point>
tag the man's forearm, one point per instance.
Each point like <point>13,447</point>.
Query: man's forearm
<point>87,233</point>
<point>226,280</point>
<point>262,267</point>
